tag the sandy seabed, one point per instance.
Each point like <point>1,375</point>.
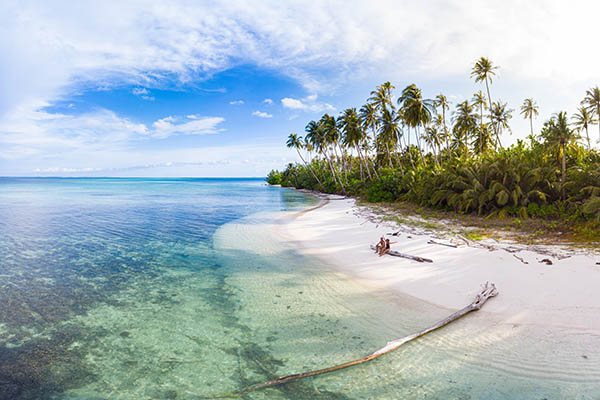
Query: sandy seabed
<point>544,323</point>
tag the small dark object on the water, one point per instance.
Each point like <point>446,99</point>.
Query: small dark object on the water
<point>584,356</point>
<point>124,334</point>
<point>546,261</point>
<point>598,263</point>
<point>300,292</point>
<point>409,237</point>
<point>289,307</point>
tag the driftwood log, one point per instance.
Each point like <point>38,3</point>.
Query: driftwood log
<point>488,290</point>
<point>442,244</point>
<point>403,255</point>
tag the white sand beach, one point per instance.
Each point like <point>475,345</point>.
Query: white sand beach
<point>565,294</point>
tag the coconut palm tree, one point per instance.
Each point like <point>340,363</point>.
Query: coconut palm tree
<point>369,120</point>
<point>465,125</point>
<point>353,136</point>
<point>389,130</point>
<point>500,115</point>
<point>582,119</point>
<point>416,111</point>
<point>557,133</point>
<point>316,134</point>
<point>529,109</point>
<point>592,101</point>
<point>381,97</point>
<point>295,141</point>
<point>483,71</point>
<point>442,102</point>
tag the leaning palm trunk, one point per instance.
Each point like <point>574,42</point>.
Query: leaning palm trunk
<point>389,154</point>
<point>309,167</point>
<point>564,173</point>
<point>588,137</point>
<point>487,86</point>
<point>418,136</point>
<point>336,176</point>
<point>363,161</point>
<point>487,291</point>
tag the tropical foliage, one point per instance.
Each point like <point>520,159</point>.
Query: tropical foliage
<point>425,151</point>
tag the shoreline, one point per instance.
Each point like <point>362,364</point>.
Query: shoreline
<point>561,295</point>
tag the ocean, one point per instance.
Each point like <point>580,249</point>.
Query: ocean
<point>181,288</point>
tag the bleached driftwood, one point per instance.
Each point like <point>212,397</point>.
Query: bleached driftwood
<point>487,291</point>
<point>431,241</point>
<point>403,255</point>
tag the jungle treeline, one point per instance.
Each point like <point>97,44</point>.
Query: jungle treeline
<point>456,160</point>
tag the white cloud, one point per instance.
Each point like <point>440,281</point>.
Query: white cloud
<point>262,114</point>
<point>45,135</point>
<point>51,50</point>
<point>143,93</point>
<point>140,91</point>
<point>309,103</point>
<point>236,102</point>
<point>268,101</point>
<point>168,126</point>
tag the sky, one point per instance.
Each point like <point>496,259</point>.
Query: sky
<point>208,88</point>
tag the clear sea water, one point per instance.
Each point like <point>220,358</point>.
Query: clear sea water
<point>179,288</point>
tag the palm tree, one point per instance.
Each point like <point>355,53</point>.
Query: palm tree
<point>442,101</point>
<point>381,97</point>
<point>315,133</point>
<point>368,118</point>
<point>389,130</point>
<point>557,133</point>
<point>500,115</point>
<point>465,125</point>
<point>354,135</point>
<point>592,100</point>
<point>483,70</point>
<point>296,142</point>
<point>582,119</point>
<point>416,111</point>
<point>529,109</point>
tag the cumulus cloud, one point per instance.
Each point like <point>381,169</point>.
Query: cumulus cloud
<point>262,114</point>
<point>309,103</point>
<point>236,102</point>
<point>268,101</point>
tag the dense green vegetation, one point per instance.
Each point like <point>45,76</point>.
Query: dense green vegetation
<point>457,162</point>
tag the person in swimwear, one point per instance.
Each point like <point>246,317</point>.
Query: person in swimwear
<point>380,245</point>
<point>386,248</point>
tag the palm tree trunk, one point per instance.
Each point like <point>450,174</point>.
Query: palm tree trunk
<point>564,173</point>
<point>309,167</point>
<point>387,148</point>
<point>446,131</point>
<point>487,86</point>
<point>588,137</point>
<point>362,160</point>
<point>531,124</point>
<point>418,136</point>
<point>598,115</point>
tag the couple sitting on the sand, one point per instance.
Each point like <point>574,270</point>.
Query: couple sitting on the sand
<point>383,247</point>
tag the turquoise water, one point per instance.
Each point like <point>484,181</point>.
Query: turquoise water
<point>178,288</point>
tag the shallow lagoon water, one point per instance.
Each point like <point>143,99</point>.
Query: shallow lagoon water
<point>171,289</point>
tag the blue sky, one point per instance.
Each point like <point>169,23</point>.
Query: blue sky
<point>144,88</point>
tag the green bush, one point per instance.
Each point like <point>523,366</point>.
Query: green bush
<point>274,177</point>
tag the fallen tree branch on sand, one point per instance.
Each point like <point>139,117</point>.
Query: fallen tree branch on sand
<point>403,255</point>
<point>487,291</point>
<point>431,241</point>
